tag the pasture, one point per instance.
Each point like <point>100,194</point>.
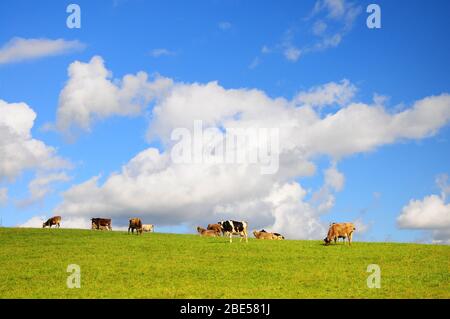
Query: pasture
<point>33,264</point>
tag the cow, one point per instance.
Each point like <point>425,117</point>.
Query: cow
<point>340,230</point>
<point>277,235</point>
<point>207,232</point>
<point>215,227</point>
<point>55,220</point>
<point>264,235</point>
<point>101,223</point>
<point>148,228</point>
<point>232,227</point>
<point>135,223</point>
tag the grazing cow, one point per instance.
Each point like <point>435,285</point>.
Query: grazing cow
<point>148,228</point>
<point>340,230</point>
<point>101,223</point>
<point>277,235</point>
<point>206,232</point>
<point>135,223</point>
<point>216,227</point>
<point>56,220</point>
<point>232,227</point>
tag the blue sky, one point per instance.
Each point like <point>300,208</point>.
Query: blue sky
<point>405,61</point>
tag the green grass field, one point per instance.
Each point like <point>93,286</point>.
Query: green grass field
<point>33,264</point>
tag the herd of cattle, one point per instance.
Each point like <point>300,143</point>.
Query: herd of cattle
<point>228,228</point>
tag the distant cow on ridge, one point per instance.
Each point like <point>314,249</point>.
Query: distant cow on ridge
<point>56,220</point>
<point>135,223</point>
<point>232,227</point>
<point>340,230</point>
<point>101,223</point>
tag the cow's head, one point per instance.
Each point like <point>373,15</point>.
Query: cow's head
<point>44,224</point>
<point>327,241</point>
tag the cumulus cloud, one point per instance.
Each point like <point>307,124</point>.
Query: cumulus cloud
<point>324,198</point>
<point>331,93</point>
<point>40,186</point>
<point>152,186</point>
<point>34,222</point>
<point>428,213</point>
<point>19,151</point>
<point>91,93</point>
<point>3,195</point>
<point>20,49</point>
<point>431,213</point>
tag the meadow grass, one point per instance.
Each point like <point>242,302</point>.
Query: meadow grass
<point>33,264</point>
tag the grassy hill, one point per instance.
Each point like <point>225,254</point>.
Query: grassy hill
<point>116,265</point>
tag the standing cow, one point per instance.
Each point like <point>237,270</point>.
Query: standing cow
<point>232,227</point>
<point>55,220</point>
<point>340,230</point>
<point>135,223</point>
<point>101,223</point>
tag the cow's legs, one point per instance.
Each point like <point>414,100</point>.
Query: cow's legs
<point>350,239</point>
<point>231,235</point>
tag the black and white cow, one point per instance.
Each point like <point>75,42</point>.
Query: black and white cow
<point>232,227</point>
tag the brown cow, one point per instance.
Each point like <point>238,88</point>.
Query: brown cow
<point>101,223</point>
<point>340,230</point>
<point>216,227</point>
<point>264,235</point>
<point>277,235</point>
<point>207,232</point>
<point>55,220</point>
<point>135,223</point>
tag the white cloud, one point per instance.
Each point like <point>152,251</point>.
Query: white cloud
<point>329,22</point>
<point>319,27</point>
<point>430,213</point>
<point>224,25</point>
<point>34,222</point>
<point>442,183</point>
<point>3,195</point>
<point>40,186</point>
<point>324,198</point>
<point>153,187</point>
<point>334,179</point>
<point>156,53</point>
<point>19,49</point>
<point>292,53</point>
<point>331,93</point>
<point>19,151</point>
<point>91,94</point>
